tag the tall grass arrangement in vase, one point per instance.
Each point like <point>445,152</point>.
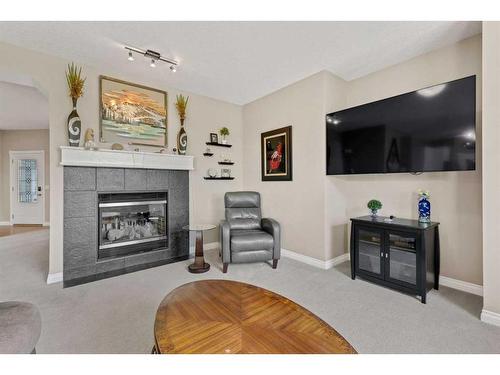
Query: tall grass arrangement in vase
<point>75,85</point>
<point>181,106</point>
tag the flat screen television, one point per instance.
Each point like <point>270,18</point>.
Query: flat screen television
<point>428,130</point>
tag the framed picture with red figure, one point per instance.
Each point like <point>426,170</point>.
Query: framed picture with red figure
<point>276,154</point>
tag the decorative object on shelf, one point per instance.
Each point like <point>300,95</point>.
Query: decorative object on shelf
<point>208,152</point>
<point>153,55</point>
<point>225,172</point>
<point>75,86</point>
<point>214,138</point>
<point>212,172</point>
<point>89,140</point>
<point>226,160</point>
<point>132,113</point>
<point>224,132</point>
<point>374,205</point>
<point>276,154</point>
<point>181,105</point>
<point>117,146</point>
<point>424,206</point>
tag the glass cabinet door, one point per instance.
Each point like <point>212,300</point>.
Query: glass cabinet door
<point>369,251</point>
<point>402,258</point>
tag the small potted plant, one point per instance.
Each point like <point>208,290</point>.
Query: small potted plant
<point>374,205</point>
<point>224,132</point>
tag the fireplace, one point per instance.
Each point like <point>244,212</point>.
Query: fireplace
<point>131,223</point>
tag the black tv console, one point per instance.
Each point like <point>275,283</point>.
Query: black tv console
<point>402,254</point>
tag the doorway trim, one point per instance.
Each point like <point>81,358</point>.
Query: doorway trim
<point>11,181</point>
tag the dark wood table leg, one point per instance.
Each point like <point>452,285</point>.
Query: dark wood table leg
<point>199,265</point>
<point>437,259</point>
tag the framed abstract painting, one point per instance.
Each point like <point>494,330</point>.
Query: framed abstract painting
<point>131,113</point>
<point>276,154</point>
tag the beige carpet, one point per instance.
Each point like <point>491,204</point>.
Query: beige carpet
<point>116,315</point>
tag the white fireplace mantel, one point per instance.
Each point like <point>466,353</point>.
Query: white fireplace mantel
<point>79,157</point>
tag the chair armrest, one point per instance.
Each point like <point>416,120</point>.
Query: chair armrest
<point>272,227</point>
<point>225,241</point>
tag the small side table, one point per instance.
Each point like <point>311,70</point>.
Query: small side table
<point>199,265</point>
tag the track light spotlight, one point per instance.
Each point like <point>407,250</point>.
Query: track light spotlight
<point>153,55</point>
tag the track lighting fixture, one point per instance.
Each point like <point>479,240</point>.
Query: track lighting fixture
<point>154,56</point>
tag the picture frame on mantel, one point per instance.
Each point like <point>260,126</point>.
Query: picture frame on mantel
<point>132,113</point>
<point>276,154</point>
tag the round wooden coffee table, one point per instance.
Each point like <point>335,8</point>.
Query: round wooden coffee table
<point>222,316</point>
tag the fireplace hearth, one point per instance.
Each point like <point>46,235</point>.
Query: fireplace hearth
<point>131,223</point>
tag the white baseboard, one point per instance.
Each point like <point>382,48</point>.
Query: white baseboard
<point>313,261</point>
<point>4,223</point>
<point>464,286</point>
<point>46,224</point>
<point>490,317</point>
<point>338,260</point>
<point>53,278</point>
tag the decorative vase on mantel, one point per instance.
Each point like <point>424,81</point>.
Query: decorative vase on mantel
<point>182,139</point>
<point>74,126</point>
<point>424,207</point>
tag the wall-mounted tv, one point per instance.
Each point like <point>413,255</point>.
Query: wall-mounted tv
<point>428,130</point>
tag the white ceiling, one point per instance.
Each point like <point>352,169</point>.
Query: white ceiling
<point>239,61</point>
<point>22,107</point>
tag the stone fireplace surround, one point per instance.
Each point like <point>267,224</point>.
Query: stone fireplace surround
<point>82,184</point>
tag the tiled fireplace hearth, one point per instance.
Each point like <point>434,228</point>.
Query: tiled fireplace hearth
<point>120,220</point>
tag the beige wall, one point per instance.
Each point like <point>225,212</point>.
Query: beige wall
<point>491,168</point>
<point>21,140</point>
<point>314,209</point>
<point>455,196</point>
<point>204,115</point>
<point>298,205</point>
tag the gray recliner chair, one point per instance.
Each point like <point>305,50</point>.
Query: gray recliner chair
<point>245,236</point>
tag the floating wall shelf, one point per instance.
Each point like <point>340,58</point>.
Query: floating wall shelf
<point>218,144</point>
<point>226,162</point>
<point>208,154</point>
<point>218,178</point>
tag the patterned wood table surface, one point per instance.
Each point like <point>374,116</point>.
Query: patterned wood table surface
<point>222,316</point>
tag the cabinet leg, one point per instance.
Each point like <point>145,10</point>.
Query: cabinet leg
<point>353,272</point>
<point>437,258</point>
<point>224,267</point>
<point>423,298</point>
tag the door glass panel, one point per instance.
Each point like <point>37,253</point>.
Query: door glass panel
<point>403,258</point>
<point>369,251</point>
<point>27,180</point>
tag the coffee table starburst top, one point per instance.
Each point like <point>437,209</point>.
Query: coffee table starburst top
<point>223,316</point>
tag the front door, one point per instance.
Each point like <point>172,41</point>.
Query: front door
<point>27,187</point>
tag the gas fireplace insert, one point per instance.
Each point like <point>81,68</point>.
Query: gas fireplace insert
<point>132,223</point>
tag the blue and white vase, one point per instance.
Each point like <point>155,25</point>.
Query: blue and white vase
<point>424,209</point>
